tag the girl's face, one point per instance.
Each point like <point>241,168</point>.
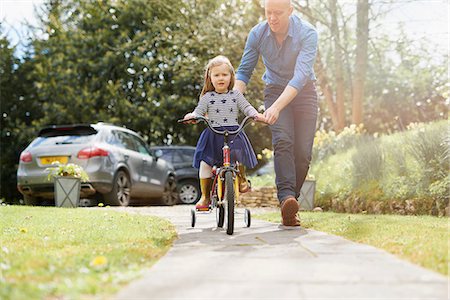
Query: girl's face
<point>220,78</point>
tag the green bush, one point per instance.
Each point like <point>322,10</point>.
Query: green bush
<point>428,145</point>
<point>367,162</point>
<point>330,143</point>
<point>406,172</point>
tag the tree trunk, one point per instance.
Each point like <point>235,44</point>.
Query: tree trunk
<point>362,39</point>
<point>319,68</point>
<point>327,91</point>
<point>338,58</point>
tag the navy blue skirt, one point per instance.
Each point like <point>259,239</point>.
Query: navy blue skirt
<point>209,148</point>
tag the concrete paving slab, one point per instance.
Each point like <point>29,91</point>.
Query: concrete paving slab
<point>267,262</point>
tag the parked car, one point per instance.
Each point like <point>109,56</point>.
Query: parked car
<point>181,158</point>
<point>120,167</point>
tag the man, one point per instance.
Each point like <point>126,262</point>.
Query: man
<point>288,46</point>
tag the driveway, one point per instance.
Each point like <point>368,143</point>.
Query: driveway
<point>266,261</point>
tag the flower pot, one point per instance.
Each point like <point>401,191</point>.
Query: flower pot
<point>67,191</point>
<point>306,198</point>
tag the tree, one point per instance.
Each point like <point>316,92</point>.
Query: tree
<point>335,82</point>
<point>350,60</point>
<point>362,39</point>
<point>18,109</point>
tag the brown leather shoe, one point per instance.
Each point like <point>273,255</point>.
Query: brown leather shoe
<point>244,186</point>
<point>244,183</point>
<point>289,209</point>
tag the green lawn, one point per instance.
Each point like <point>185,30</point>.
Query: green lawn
<point>53,253</point>
<point>423,240</point>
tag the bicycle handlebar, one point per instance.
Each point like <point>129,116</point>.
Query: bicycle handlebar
<point>208,122</point>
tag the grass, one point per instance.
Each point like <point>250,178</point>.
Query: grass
<point>263,180</point>
<point>49,252</point>
<point>422,240</point>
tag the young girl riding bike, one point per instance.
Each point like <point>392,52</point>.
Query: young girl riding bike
<point>221,104</point>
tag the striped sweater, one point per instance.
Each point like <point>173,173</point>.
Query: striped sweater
<point>223,109</point>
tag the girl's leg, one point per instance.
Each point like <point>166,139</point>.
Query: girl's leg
<point>205,175</point>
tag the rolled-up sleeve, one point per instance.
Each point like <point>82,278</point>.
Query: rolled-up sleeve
<point>305,61</point>
<point>249,58</point>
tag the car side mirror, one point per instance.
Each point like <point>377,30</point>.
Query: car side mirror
<point>158,154</point>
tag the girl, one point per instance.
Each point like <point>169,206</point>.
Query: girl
<point>221,103</point>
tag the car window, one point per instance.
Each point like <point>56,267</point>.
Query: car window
<point>62,140</point>
<point>167,154</point>
<point>183,156</point>
<point>114,139</point>
<point>140,145</point>
<point>188,153</point>
<point>177,157</point>
<point>127,140</point>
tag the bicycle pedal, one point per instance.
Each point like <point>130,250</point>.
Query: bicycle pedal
<point>203,208</point>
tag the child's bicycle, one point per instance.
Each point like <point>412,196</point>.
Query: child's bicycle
<point>225,188</point>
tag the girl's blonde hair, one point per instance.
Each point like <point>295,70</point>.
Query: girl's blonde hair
<point>216,61</point>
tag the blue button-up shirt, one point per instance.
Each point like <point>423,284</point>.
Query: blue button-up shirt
<point>289,64</point>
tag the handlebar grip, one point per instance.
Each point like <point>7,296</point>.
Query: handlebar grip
<point>187,120</point>
<point>196,119</point>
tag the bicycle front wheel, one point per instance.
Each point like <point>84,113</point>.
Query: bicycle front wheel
<point>229,197</point>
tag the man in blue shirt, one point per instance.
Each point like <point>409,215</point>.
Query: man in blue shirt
<point>288,46</point>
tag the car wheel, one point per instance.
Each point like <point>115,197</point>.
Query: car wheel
<point>170,194</point>
<point>28,200</point>
<point>189,191</point>
<point>121,191</point>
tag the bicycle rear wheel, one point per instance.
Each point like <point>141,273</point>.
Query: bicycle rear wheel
<point>229,197</point>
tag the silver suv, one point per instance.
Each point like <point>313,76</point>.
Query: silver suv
<point>121,169</point>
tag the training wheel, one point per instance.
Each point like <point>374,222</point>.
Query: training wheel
<point>220,215</point>
<point>192,217</point>
<point>247,218</point>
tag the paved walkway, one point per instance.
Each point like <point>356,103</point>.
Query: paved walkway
<point>267,262</point>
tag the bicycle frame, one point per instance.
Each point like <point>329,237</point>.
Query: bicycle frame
<point>225,180</point>
<point>219,176</point>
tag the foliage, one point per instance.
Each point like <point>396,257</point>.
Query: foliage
<point>408,171</point>
<point>329,143</point>
<point>129,58</point>
<point>429,147</point>
<point>18,109</point>
<point>70,170</point>
<point>367,162</point>
<point>50,252</point>
<point>404,87</point>
<point>134,63</point>
<point>263,180</point>
<point>419,239</point>
<point>406,79</point>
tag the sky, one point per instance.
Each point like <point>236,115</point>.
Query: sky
<point>14,14</point>
<point>422,19</point>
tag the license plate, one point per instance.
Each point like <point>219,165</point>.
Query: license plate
<point>47,160</point>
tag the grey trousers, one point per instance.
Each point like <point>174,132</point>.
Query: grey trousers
<point>292,138</point>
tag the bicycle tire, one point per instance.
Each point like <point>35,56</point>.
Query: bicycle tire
<point>229,197</point>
